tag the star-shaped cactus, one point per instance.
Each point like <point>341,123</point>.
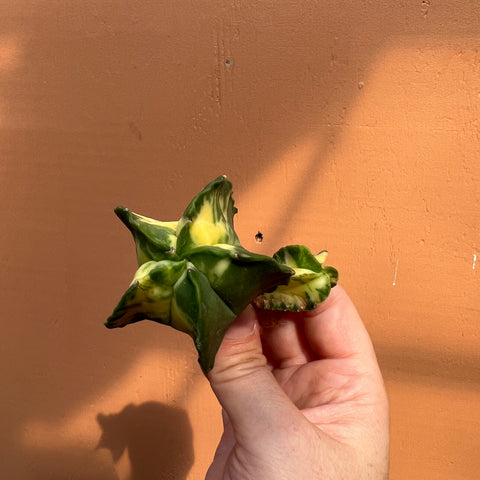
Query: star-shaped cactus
<point>195,276</point>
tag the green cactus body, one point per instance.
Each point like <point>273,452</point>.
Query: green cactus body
<point>200,312</point>
<point>229,267</point>
<point>149,295</point>
<point>310,284</point>
<point>195,276</point>
<point>208,219</point>
<point>154,240</point>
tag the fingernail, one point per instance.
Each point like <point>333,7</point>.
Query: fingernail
<point>242,327</point>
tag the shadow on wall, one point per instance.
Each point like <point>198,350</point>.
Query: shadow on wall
<point>427,366</point>
<point>157,438</point>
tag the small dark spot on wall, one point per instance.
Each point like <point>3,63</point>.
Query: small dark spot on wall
<point>425,6</point>
<point>137,133</point>
<point>259,237</point>
<point>229,62</point>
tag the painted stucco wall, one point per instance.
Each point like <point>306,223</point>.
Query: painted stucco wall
<point>346,125</point>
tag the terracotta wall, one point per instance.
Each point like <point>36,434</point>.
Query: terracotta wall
<point>347,125</point>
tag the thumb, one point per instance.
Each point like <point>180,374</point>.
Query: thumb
<point>245,386</point>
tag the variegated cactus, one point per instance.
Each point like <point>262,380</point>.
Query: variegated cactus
<point>195,276</point>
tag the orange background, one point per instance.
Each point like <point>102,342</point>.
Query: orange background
<point>346,125</point>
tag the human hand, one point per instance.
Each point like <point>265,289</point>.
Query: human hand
<point>302,396</point>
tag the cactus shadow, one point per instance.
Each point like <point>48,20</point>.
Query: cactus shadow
<point>157,438</point>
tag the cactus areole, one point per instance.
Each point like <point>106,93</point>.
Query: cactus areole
<point>196,277</point>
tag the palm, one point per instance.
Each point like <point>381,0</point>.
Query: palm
<point>327,391</point>
<point>319,383</point>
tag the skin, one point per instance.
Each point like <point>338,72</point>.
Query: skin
<point>302,396</point>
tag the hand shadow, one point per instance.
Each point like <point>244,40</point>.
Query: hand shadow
<point>158,439</point>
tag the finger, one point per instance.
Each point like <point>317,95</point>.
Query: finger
<point>283,339</point>
<point>335,330</point>
<point>256,405</point>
